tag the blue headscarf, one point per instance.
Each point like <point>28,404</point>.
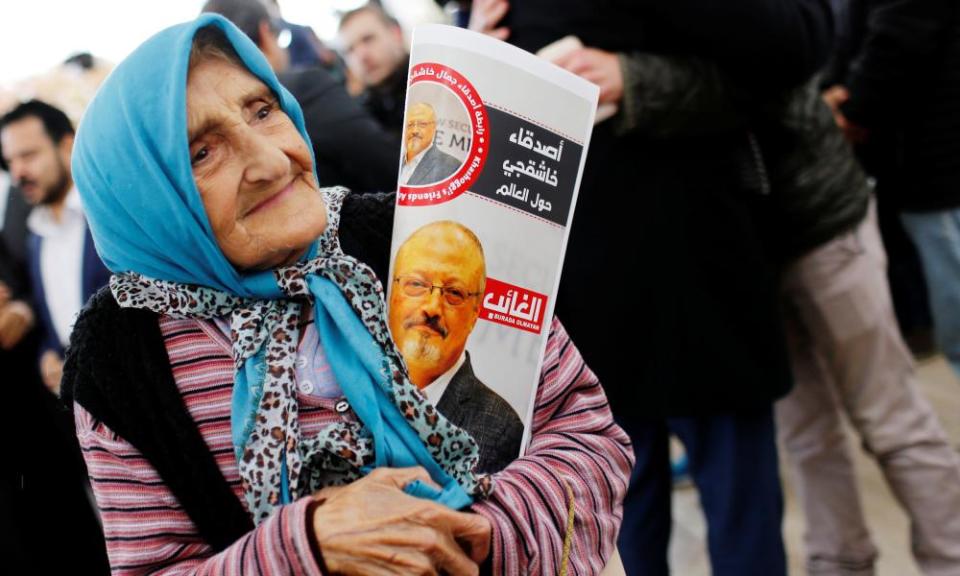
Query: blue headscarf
<point>131,165</point>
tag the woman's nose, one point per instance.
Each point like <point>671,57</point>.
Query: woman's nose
<point>265,159</point>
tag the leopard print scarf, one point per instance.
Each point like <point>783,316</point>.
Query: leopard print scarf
<point>276,464</point>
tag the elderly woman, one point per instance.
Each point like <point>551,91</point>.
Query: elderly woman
<point>238,399</point>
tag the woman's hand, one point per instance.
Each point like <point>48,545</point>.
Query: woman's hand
<point>372,527</point>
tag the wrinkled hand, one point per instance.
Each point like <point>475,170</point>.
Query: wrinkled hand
<point>51,370</point>
<point>486,14</point>
<point>835,96</point>
<point>16,319</point>
<point>372,527</point>
<point>600,67</point>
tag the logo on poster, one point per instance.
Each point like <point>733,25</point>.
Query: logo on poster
<point>459,181</point>
<point>514,306</point>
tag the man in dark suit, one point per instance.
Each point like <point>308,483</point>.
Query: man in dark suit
<point>64,268</point>
<point>424,163</point>
<point>439,277</point>
<point>371,42</point>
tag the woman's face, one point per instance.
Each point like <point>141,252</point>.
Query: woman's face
<point>252,168</point>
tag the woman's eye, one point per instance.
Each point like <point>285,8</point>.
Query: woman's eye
<point>199,156</point>
<point>265,111</point>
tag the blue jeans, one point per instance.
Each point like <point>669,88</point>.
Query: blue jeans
<point>937,238</point>
<point>733,462</point>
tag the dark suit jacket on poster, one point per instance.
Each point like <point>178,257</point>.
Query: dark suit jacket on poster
<point>434,167</point>
<point>492,422</point>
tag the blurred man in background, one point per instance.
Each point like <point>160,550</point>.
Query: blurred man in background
<point>36,141</point>
<point>372,44</point>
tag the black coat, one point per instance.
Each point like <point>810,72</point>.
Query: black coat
<point>667,288</point>
<point>350,147</point>
<point>901,62</point>
<point>795,154</point>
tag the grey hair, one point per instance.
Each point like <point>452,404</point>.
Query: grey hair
<point>211,43</point>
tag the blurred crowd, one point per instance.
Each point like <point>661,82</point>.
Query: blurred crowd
<point>785,233</point>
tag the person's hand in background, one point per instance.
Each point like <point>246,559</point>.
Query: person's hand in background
<point>835,96</point>
<point>598,66</point>
<point>486,14</point>
<point>16,319</point>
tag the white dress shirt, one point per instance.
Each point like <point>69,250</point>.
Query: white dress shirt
<point>61,260</point>
<point>406,171</point>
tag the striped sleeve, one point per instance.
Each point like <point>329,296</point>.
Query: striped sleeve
<point>575,450</point>
<point>147,531</point>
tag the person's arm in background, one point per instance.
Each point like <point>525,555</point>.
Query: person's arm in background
<point>16,317</point>
<point>766,46</point>
<point>666,96</point>
<point>900,35</point>
<point>674,96</point>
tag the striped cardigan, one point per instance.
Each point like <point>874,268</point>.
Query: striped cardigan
<point>577,456</point>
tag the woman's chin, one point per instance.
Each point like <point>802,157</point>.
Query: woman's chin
<point>283,235</point>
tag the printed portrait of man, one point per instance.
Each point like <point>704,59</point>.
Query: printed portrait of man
<point>438,280</point>
<point>423,162</point>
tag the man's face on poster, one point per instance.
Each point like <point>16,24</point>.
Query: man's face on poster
<point>420,128</point>
<point>439,278</point>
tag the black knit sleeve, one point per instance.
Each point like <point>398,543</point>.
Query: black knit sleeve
<point>366,229</point>
<point>117,368</point>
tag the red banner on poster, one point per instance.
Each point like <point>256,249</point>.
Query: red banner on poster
<point>514,306</point>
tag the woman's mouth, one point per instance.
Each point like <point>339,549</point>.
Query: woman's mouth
<point>271,200</point>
